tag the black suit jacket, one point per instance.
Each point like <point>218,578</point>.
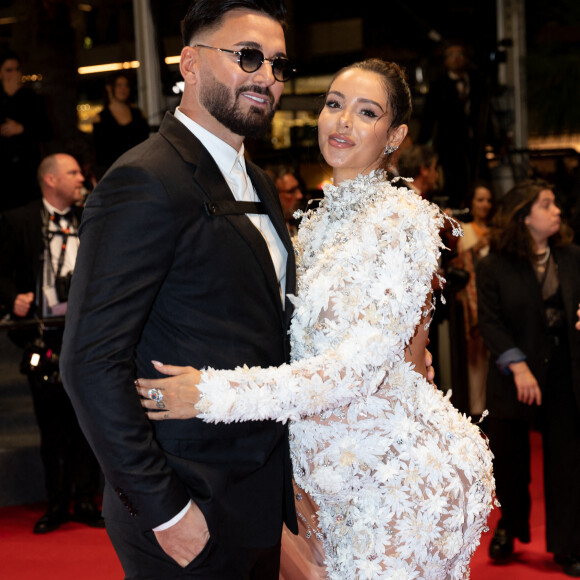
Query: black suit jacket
<point>445,121</point>
<point>21,255</point>
<point>159,278</point>
<point>511,315</point>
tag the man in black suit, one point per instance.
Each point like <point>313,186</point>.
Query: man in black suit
<point>185,258</point>
<point>37,256</point>
<point>456,121</point>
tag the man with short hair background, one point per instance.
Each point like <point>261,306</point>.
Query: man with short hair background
<point>289,192</point>
<point>38,249</point>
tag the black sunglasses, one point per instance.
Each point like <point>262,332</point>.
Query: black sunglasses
<point>251,59</point>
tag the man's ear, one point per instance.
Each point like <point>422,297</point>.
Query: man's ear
<point>49,179</point>
<point>187,64</point>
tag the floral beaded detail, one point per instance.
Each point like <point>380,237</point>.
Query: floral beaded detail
<point>402,481</point>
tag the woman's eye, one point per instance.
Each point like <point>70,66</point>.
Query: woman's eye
<point>369,113</point>
<point>332,104</point>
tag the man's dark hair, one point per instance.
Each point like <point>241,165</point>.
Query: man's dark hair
<point>204,14</point>
<point>413,158</point>
<point>279,170</point>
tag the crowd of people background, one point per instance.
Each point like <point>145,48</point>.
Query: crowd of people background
<point>451,167</point>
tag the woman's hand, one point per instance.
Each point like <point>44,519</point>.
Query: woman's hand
<point>578,313</point>
<point>526,384</point>
<point>172,398</point>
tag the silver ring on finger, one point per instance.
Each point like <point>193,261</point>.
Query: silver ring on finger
<point>155,395</point>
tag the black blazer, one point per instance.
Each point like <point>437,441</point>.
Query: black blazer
<point>21,254</point>
<point>158,278</point>
<point>444,120</point>
<point>511,314</point>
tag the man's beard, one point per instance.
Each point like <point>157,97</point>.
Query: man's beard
<point>216,98</point>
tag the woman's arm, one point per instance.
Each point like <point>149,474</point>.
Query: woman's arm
<point>498,337</point>
<point>370,313</point>
<point>416,351</point>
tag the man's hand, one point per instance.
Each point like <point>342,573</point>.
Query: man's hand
<point>187,538</point>
<point>526,384</point>
<point>429,365</point>
<point>22,304</point>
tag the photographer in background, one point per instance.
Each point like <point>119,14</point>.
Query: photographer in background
<point>457,121</point>
<point>38,248</point>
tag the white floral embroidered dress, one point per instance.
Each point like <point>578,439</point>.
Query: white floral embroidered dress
<point>403,483</point>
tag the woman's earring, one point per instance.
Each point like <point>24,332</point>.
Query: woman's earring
<point>389,149</point>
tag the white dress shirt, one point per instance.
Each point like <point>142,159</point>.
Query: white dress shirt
<point>226,158</point>
<point>52,251</point>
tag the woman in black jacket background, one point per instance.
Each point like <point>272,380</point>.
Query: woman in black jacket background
<point>528,295</point>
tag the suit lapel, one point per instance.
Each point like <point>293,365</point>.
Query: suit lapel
<point>35,235</point>
<point>213,185</point>
<point>269,197</point>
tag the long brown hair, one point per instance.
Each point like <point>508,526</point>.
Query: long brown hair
<point>510,234</point>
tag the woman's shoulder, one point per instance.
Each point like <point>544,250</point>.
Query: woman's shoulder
<point>400,191</point>
<point>500,264</point>
<point>103,117</point>
<point>136,112</point>
<point>572,249</point>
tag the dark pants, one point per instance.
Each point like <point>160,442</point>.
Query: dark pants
<point>143,559</point>
<point>71,470</point>
<point>561,430</point>
<point>509,440</point>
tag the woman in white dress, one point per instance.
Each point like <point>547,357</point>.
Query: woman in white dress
<point>403,484</point>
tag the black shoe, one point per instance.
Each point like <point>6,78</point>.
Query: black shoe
<point>501,546</point>
<point>524,538</point>
<point>51,520</point>
<point>86,512</point>
<point>570,564</point>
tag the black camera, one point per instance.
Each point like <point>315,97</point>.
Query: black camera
<point>40,360</point>
<point>62,287</point>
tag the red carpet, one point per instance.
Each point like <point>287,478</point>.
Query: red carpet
<point>76,552</point>
<point>532,562</point>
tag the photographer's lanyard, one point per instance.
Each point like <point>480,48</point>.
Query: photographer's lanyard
<point>64,233</point>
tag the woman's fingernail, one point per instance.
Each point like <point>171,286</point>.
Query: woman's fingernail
<point>156,363</point>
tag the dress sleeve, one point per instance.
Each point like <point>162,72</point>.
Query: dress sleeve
<point>360,302</point>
